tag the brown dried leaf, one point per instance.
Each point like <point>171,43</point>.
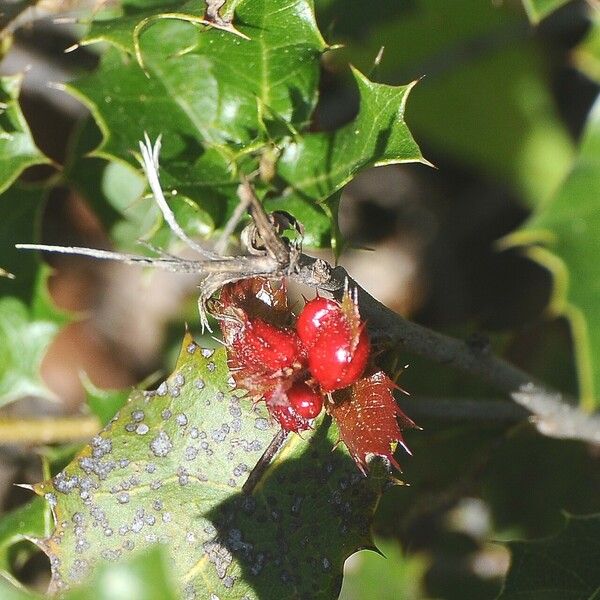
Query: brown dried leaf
<point>258,297</point>
<point>369,420</point>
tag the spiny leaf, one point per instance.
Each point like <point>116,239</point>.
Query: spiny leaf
<point>276,68</point>
<point>367,416</point>
<point>564,567</point>
<point>170,467</point>
<point>538,9</point>
<point>217,120</point>
<point>316,165</point>
<point>214,93</point>
<point>510,132</point>
<point>17,148</point>
<point>567,231</point>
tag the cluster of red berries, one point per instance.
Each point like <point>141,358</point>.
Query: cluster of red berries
<point>292,369</point>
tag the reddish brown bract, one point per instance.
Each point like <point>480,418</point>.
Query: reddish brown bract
<point>367,416</point>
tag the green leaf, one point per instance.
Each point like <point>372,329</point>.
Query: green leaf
<point>9,592</point>
<point>205,96</point>
<point>317,165</point>
<point>567,233</point>
<point>32,520</point>
<point>17,148</point>
<point>538,9</point>
<point>103,403</point>
<point>170,467</point>
<point>21,210</point>
<point>366,570</point>
<point>224,100</point>
<point>146,576</point>
<point>277,67</point>
<point>23,344</point>
<point>564,567</point>
<point>586,56</point>
<point>28,318</point>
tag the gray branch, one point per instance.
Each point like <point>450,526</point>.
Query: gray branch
<point>552,413</point>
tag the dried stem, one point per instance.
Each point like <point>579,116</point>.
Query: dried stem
<point>150,165</point>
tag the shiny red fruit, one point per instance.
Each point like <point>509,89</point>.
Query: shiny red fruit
<point>305,401</point>
<point>333,362</point>
<point>314,317</point>
<point>286,416</point>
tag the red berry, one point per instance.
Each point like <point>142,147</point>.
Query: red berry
<point>305,401</point>
<point>261,344</point>
<point>315,314</point>
<point>333,362</point>
<point>285,414</point>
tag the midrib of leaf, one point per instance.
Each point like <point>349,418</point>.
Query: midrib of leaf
<point>185,107</point>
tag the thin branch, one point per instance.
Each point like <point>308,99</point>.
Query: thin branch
<point>552,413</point>
<point>479,410</point>
<point>36,432</point>
<point>178,265</point>
<point>274,245</point>
<point>232,223</point>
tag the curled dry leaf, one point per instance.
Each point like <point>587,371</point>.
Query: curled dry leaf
<point>256,296</point>
<point>369,420</point>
